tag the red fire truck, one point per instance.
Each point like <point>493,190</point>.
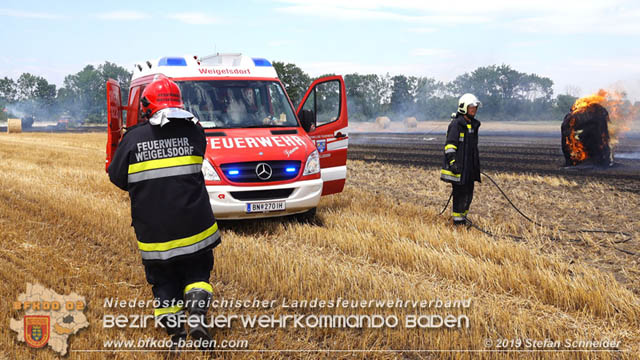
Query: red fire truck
<point>263,158</point>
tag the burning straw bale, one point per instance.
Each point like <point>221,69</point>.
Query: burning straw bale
<point>591,131</point>
<point>383,122</point>
<point>585,136</point>
<point>14,126</point>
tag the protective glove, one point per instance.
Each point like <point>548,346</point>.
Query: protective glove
<point>455,167</point>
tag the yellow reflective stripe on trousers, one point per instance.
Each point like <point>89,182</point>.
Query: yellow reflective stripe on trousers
<point>457,216</point>
<point>166,311</point>
<point>201,285</point>
<point>173,248</point>
<point>164,163</point>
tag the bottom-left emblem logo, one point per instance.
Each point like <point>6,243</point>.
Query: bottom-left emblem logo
<point>36,330</point>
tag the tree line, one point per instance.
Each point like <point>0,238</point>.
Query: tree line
<point>81,99</point>
<point>506,94</point>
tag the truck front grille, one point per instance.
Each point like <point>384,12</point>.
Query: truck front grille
<point>256,195</point>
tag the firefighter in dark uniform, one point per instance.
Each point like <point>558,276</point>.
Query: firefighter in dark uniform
<point>159,163</point>
<point>461,158</point>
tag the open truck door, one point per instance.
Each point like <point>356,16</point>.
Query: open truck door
<point>323,114</point>
<point>114,119</point>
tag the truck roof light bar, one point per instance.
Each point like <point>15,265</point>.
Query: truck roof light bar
<point>172,61</point>
<point>261,62</point>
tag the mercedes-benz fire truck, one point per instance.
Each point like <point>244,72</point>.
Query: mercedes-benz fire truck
<point>263,157</point>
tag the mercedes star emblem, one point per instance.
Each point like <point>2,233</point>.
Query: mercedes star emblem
<point>264,171</point>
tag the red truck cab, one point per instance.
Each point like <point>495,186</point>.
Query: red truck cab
<point>263,158</point>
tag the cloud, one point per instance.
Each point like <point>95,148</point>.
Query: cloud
<point>627,64</point>
<point>605,23</point>
<point>375,10</point>
<point>442,53</point>
<point>422,30</point>
<point>194,18</point>
<point>123,15</point>
<point>527,44</point>
<point>279,43</point>
<point>534,16</point>
<point>461,7</point>
<point>28,14</point>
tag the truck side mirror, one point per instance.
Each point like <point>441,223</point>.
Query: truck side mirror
<point>307,119</point>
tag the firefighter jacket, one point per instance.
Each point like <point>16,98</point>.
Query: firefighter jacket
<point>461,158</point>
<point>161,168</point>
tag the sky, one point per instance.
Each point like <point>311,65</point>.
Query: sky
<point>581,45</point>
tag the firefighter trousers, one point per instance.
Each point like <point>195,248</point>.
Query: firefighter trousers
<point>171,279</point>
<point>462,197</point>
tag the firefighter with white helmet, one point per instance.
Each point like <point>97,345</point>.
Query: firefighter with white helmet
<point>159,163</point>
<point>461,165</point>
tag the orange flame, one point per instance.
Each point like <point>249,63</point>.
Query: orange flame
<point>621,112</point>
<point>577,152</point>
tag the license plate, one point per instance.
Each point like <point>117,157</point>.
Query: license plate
<point>265,206</point>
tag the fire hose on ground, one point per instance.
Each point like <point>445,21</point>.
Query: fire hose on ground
<point>627,236</point>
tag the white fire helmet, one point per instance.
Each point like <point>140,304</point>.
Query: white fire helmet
<point>467,100</point>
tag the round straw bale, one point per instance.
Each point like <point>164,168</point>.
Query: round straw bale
<point>383,122</point>
<point>411,122</point>
<point>14,126</point>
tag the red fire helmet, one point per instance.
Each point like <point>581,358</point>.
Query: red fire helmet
<point>160,94</point>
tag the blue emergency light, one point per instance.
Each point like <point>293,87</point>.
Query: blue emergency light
<point>172,61</point>
<point>233,172</point>
<point>290,169</point>
<point>261,62</point>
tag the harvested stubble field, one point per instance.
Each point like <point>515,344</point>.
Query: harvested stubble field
<point>63,225</point>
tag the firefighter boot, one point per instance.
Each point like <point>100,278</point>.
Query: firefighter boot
<point>175,329</point>
<point>198,301</point>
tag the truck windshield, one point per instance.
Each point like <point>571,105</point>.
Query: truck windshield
<point>237,103</point>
